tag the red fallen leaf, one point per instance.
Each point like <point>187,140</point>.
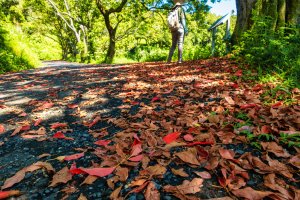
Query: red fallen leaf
<point>258,87</point>
<point>265,129</point>
<point>72,106</point>
<point>202,152</point>
<point>251,105</point>
<point>239,73</point>
<point>171,137</point>
<point>199,143</point>
<point>222,181</point>
<point>37,122</point>
<point>19,129</point>
<point>136,158</point>
<point>6,194</point>
<point>227,154</point>
<point>140,188</point>
<point>134,103</point>
<point>95,121</point>
<point>2,129</point>
<point>188,137</point>
<point>74,156</point>
<point>58,125</point>
<point>136,149</point>
<point>23,114</point>
<point>100,172</point>
<point>197,85</point>
<point>155,99</point>
<point>45,106</point>
<point>2,106</point>
<point>60,135</point>
<point>177,102</point>
<point>277,105</point>
<point>74,170</point>
<point>102,142</point>
<point>235,85</point>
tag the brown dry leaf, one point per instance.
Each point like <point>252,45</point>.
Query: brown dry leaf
<point>295,161</point>
<point>187,187</point>
<point>229,100</point>
<point>137,182</point>
<point>279,167</point>
<point>19,176</point>
<point>156,170</point>
<point>226,137</point>
<point>82,197</point>
<point>44,155</point>
<point>115,194</point>
<point>250,194</point>
<point>90,179</point>
<point>227,153</point>
<point>179,172</point>
<point>122,173</point>
<point>62,176</point>
<point>222,198</point>
<point>275,148</point>
<point>151,192</point>
<point>204,174</point>
<point>189,156</point>
<point>269,181</point>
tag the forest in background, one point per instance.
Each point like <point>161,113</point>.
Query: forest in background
<point>136,31</point>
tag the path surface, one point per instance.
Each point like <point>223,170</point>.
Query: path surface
<point>119,116</point>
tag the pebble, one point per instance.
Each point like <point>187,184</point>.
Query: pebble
<point>26,149</point>
<point>167,197</point>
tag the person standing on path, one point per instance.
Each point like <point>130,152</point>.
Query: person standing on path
<point>178,32</point>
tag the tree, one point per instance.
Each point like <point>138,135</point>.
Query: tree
<point>281,13</point>
<point>112,29</point>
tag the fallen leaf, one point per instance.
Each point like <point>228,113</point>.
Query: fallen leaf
<point>72,106</point>
<point>60,135</point>
<point>204,174</point>
<point>136,158</point>
<point>187,187</point>
<point>2,129</point>
<point>102,142</point>
<point>37,122</point>
<point>227,154</point>
<point>188,138</point>
<point>59,125</point>
<point>73,157</point>
<point>277,105</point>
<point>44,106</point>
<point>251,194</point>
<point>115,194</point>
<point>19,176</point>
<point>275,148</point>
<point>188,156</point>
<point>156,170</point>
<point>94,122</point>
<point>199,143</point>
<point>136,149</point>
<point>89,180</point>
<point>239,73</point>
<point>230,101</point>
<point>7,194</point>
<point>251,105</point>
<point>82,197</point>
<point>151,192</point>
<point>179,172</point>
<point>171,137</point>
<point>99,172</point>
<point>155,99</point>
<point>122,173</point>
<point>62,176</point>
<point>295,161</point>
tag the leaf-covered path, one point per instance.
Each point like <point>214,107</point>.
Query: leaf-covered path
<point>146,131</point>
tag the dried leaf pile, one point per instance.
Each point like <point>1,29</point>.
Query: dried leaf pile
<point>150,131</point>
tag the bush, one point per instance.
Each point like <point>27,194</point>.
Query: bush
<point>15,55</point>
<point>272,51</point>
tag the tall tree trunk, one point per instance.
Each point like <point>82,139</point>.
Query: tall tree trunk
<point>244,14</point>
<point>293,12</point>
<point>112,47</point>
<point>281,13</point>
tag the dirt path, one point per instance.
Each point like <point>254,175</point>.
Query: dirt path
<point>63,109</point>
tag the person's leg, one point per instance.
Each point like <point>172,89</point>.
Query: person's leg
<point>173,47</point>
<point>180,44</point>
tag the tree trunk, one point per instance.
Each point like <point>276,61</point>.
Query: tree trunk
<point>279,12</point>
<point>293,12</point>
<point>112,47</point>
<point>244,21</point>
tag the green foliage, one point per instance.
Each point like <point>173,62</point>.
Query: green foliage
<point>275,53</point>
<point>15,53</point>
<point>290,139</point>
